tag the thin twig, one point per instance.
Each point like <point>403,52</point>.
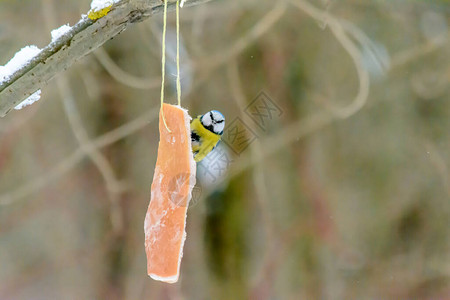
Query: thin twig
<point>340,32</point>
<point>123,77</point>
<point>266,23</point>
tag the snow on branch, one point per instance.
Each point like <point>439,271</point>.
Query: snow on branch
<point>70,44</point>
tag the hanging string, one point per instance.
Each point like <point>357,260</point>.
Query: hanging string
<point>163,62</point>
<point>163,59</point>
<point>178,55</point>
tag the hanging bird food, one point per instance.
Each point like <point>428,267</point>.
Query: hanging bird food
<point>172,186</point>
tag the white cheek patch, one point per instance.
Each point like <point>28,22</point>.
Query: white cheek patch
<point>206,120</point>
<point>219,127</point>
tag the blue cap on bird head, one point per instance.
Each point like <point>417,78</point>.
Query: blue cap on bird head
<point>214,121</point>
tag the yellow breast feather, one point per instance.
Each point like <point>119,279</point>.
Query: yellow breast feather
<point>207,140</point>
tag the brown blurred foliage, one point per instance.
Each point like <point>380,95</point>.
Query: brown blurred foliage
<point>343,193</point>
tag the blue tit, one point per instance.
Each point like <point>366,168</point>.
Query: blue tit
<point>206,131</point>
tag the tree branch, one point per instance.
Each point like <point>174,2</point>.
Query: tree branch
<point>83,38</point>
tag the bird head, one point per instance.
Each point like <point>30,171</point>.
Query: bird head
<point>214,121</point>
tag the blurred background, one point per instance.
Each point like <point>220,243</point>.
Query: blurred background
<point>332,180</point>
